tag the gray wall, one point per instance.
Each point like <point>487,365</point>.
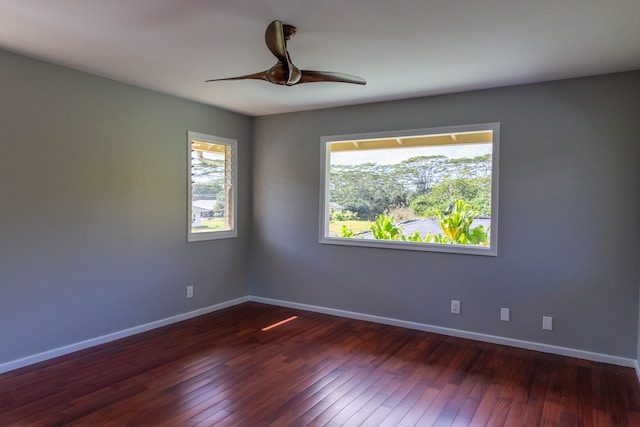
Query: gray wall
<point>569,199</point>
<point>93,208</point>
<point>92,213</point>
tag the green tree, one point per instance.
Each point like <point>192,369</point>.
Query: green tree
<point>421,173</point>
<point>424,183</point>
<point>367,189</point>
<point>475,191</point>
<point>207,177</point>
<point>465,167</point>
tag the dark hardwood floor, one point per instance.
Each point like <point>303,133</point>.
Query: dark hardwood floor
<point>222,369</point>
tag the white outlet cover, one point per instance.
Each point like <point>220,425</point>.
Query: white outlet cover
<point>504,314</point>
<point>547,323</point>
<point>455,306</point>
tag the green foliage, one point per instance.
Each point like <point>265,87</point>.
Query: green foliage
<point>457,222</point>
<point>415,237</point>
<point>453,191</point>
<point>383,229</point>
<point>478,236</point>
<point>207,190</point>
<point>345,215</point>
<point>456,226</point>
<point>347,232</point>
<point>476,191</point>
<point>356,226</point>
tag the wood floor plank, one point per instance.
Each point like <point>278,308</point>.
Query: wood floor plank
<point>223,369</point>
<point>412,417</point>
<point>485,408</point>
<point>433,412</point>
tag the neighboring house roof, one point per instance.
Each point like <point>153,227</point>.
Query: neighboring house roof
<point>202,205</point>
<point>429,225</point>
<point>336,206</point>
<point>195,209</point>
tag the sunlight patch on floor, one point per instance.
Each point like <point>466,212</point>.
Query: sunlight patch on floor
<point>282,322</point>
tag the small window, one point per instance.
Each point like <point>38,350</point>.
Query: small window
<point>426,189</point>
<point>211,188</point>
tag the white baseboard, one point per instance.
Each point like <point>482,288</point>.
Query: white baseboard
<point>529,345</point>
<point>546,348</point>
<point>50,354</point>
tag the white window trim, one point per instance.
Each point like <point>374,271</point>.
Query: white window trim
<point>216,234</point>
<point>491,250</point>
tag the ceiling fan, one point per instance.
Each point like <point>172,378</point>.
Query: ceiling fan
<point>285,72</point>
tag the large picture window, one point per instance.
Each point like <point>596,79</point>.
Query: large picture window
<point>426,189</point>
<point>211,187</point>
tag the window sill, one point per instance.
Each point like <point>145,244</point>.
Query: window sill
<point>410,246</point>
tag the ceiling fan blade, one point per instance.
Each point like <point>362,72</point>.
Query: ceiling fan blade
<point>274,37</point>
<point>257,76</point>
<point>310,76</point>
<point>284,72</point>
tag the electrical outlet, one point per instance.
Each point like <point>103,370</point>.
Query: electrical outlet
<point>190,291</point>
<point>547,323</point>
<point>455,306</point>
<point>504,314</point>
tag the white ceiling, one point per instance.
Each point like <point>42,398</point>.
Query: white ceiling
<point>403,48</point>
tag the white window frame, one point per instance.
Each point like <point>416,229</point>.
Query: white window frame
<point>232,232</point>
<point>491,250</point>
